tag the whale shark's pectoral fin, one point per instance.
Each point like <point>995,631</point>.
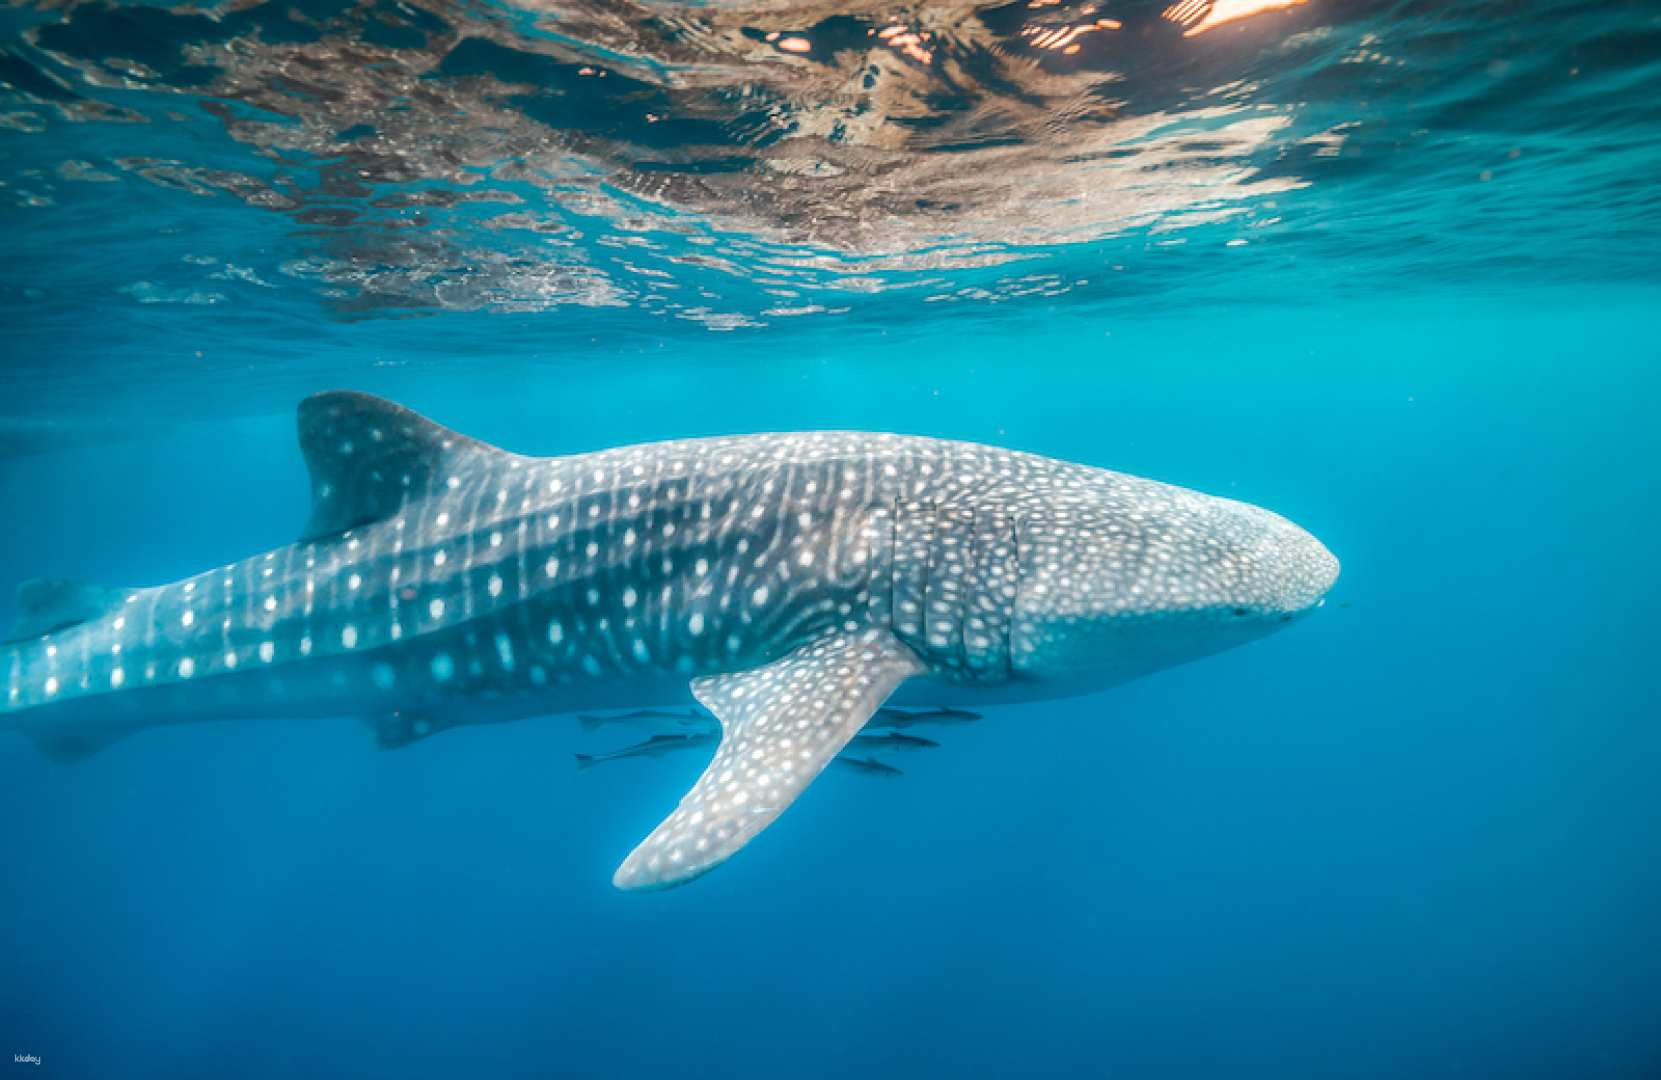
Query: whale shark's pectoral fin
<point>780,725</point>
<point>368,456</point>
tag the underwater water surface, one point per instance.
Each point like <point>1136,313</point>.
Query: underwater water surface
<point>1388,269</point>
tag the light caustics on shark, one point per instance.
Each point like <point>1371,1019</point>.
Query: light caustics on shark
<point>796,580</point>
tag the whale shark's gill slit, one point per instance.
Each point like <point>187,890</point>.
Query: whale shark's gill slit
<point>1014,594</point>
<point>955,581</point>
<point>893,565</point>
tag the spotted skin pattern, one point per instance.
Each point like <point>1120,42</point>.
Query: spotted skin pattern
<point>782,723</point>
<point>795,580</point>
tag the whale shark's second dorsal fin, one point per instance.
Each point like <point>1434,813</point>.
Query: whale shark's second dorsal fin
<point>368,456</point>
<point>48,604</point>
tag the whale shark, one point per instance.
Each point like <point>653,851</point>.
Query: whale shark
<point>794,582</point>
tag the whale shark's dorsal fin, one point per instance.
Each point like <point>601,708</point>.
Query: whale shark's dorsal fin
<point>780,725</point>
<point>48,604</point>
<point>368,456</point>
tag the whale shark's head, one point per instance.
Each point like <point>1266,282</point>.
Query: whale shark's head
<point>1155,577</point>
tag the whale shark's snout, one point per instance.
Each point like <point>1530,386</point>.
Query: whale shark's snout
<point>1297,570</point>
<point>1171,577</point>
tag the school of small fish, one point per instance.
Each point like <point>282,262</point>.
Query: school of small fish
<point>669,731</point>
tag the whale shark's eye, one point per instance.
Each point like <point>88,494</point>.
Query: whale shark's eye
<point>1239,613</point>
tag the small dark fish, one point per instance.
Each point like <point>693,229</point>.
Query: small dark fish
<point>649,719</point>
<point>656,746</point>
<point>890,740</point>
<point>870,766</point>
<point>890,717</point>
<point>659,745</point>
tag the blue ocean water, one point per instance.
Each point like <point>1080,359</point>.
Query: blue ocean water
<point>1386,268</point>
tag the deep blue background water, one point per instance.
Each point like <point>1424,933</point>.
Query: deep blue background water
<point>1386,268</point>
<point>1413,835</point>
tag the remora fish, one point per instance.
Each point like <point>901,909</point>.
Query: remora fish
<point>870,766</point>
<point>659,745</point>
<point>651,720</point>
<point>656,746</point>
<point>890,740</point>
<point>796,580</point>
<point>896,719</point>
